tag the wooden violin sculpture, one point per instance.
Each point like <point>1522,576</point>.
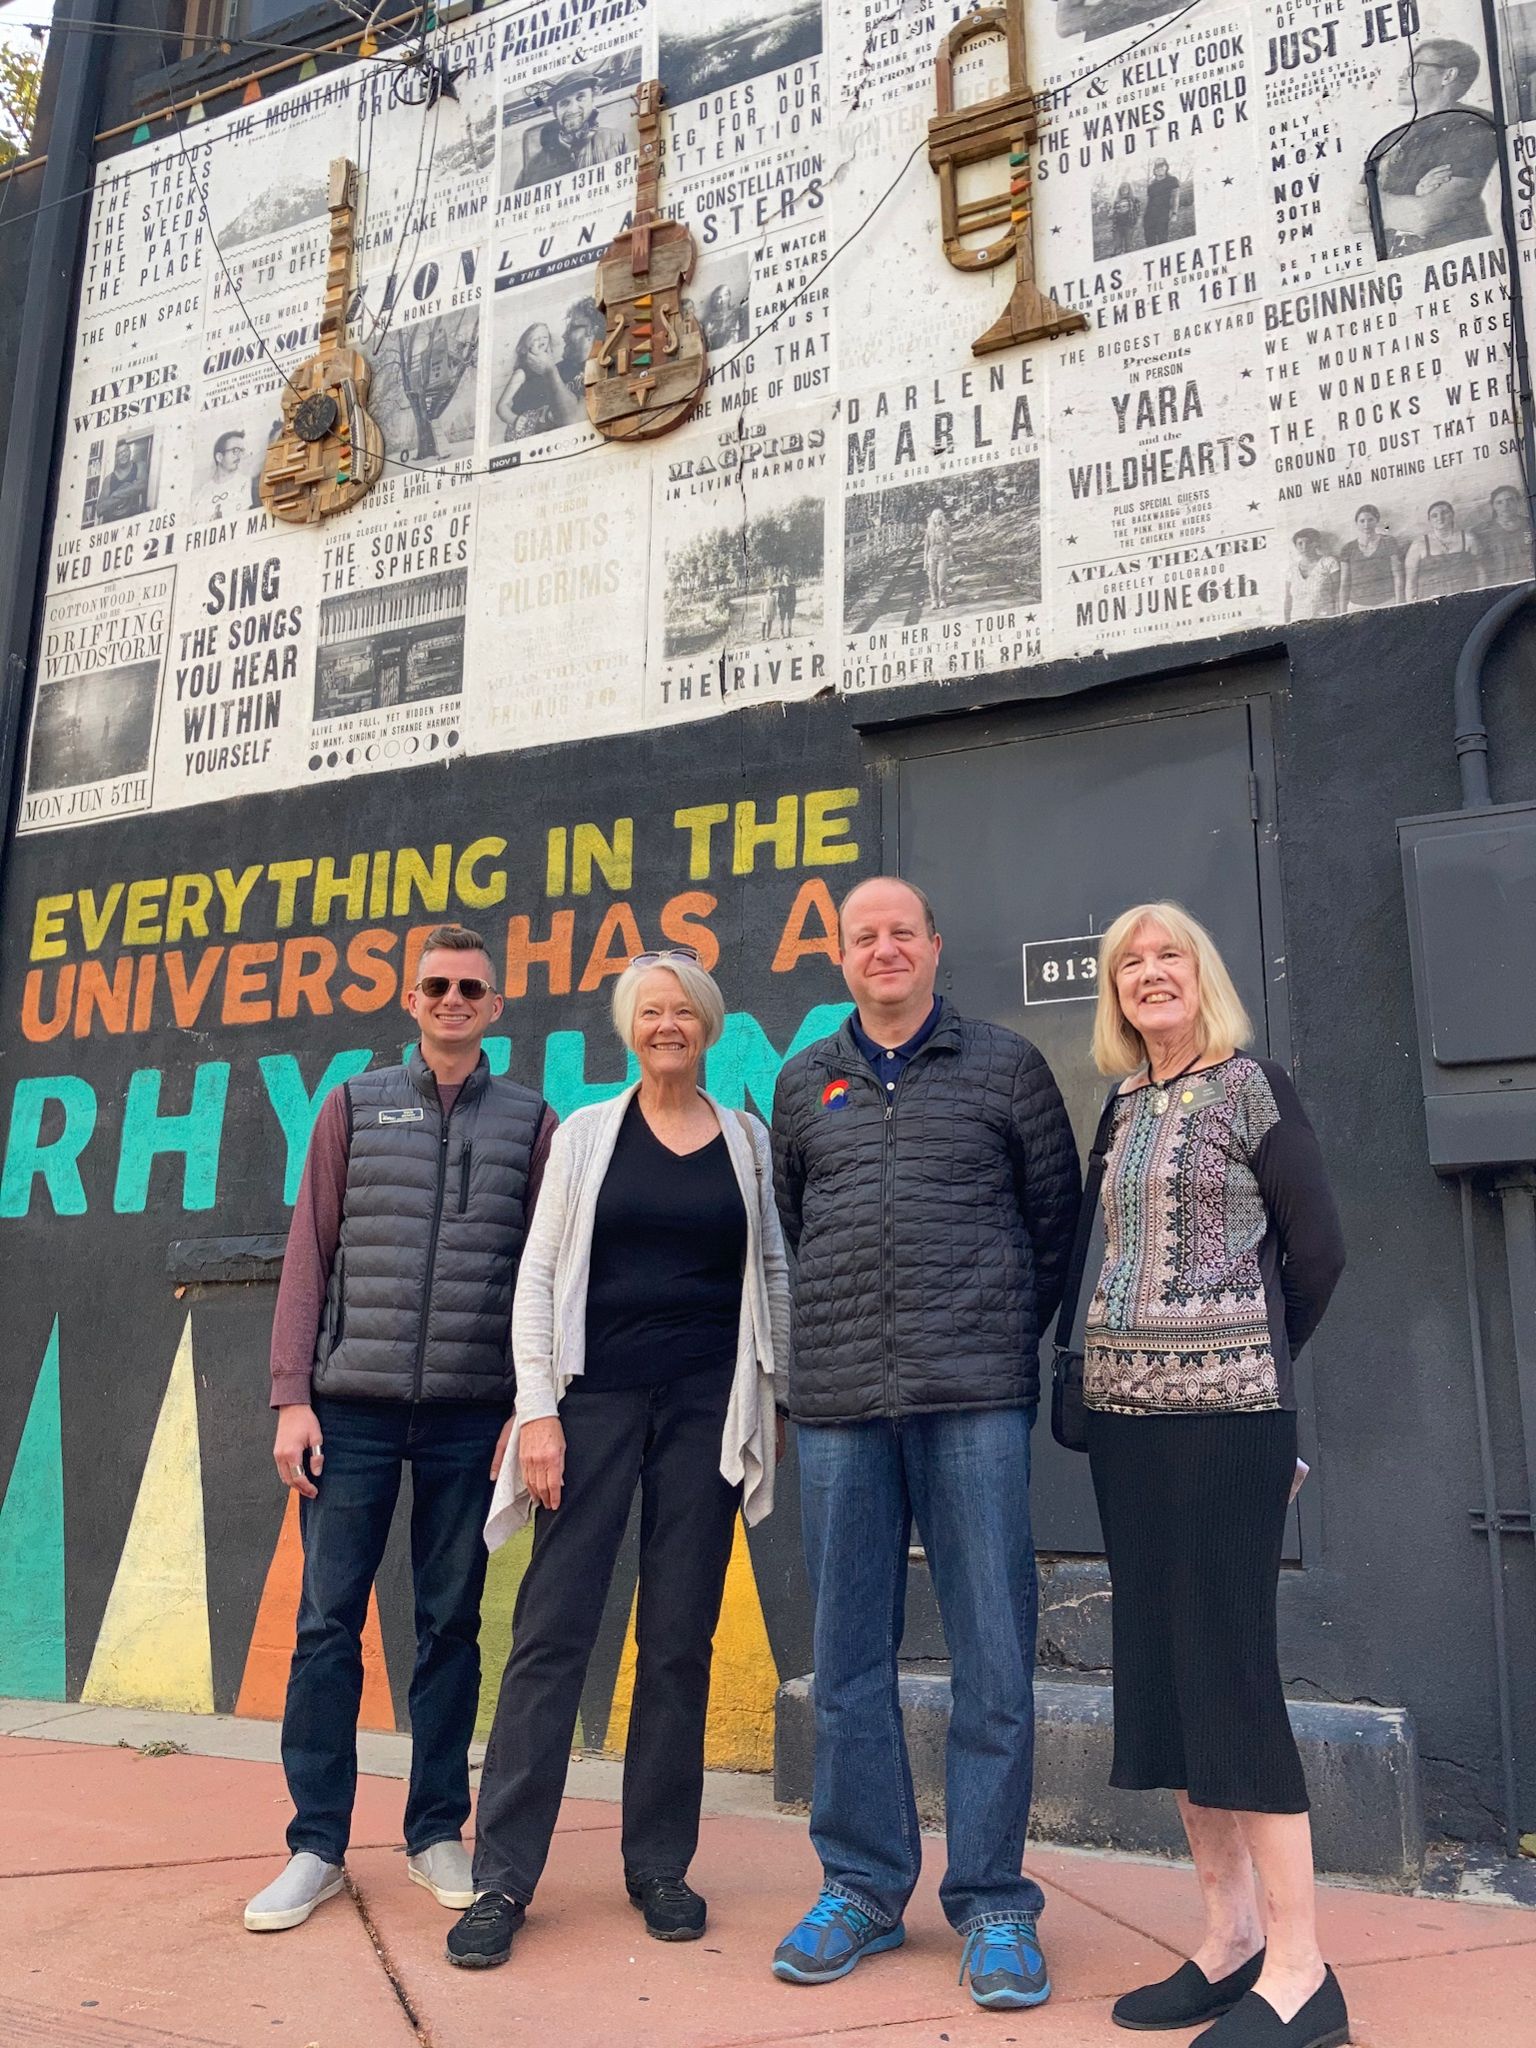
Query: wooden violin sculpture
<point>648,372</point>
<point>330,451</point>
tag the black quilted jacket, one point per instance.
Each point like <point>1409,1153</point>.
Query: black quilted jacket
<point>932,1230</point>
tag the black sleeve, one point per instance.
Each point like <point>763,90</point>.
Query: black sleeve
<point>1288,1165</point>
<point>788,1169</point>
<point>1046,1176</point>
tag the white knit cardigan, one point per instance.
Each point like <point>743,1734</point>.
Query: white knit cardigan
<point>549,1310</point>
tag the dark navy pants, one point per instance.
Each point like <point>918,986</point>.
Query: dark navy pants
<point>449,1446</point>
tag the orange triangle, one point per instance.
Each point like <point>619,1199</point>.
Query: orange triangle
<point>265,1684</point>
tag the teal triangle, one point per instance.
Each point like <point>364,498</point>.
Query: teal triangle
<point>141,133</point>
<point>32,1549</point>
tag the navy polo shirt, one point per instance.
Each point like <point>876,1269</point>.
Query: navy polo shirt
<point>889,1066</point>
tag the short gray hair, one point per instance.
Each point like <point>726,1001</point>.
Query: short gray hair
<point>698,986</point>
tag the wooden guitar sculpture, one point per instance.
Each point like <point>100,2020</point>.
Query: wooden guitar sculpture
<point>330,452</point>
<point>648,372</point>
<point>1006,125</point>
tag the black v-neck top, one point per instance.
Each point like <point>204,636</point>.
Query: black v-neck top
<point>669,1239</point>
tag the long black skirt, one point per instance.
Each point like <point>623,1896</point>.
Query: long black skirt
<point>1193,1513</point>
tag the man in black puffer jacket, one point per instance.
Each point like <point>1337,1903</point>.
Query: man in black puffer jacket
<point>928,1182</point>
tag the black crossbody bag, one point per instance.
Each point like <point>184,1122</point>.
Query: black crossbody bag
<point>1069,1414</point>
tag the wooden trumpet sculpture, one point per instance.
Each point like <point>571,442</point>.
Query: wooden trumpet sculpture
<point>971,135</point>
<point>648,371</point>
<point>330,452</point>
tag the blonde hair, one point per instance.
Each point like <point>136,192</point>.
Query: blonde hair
<point>697,985</point>
<point>1118,1048</point>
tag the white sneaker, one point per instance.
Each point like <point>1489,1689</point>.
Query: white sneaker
<point>290,1898</point>
<point>445,1872</point>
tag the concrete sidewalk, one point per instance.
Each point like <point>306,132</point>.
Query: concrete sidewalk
<point>123,1876</point>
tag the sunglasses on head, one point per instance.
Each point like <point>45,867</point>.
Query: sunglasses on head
<point>667,953</point>
<point>469,986</point>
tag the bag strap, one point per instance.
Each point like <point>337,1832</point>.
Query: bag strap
<point>1071,1294</point>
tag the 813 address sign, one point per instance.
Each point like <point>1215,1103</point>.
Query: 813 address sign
<point>1061,970</point>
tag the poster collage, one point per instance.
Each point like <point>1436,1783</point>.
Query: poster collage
<point>1291,400</point>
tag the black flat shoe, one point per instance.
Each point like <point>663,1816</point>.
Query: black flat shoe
<point>673,1910</point>
<point>1323,2022</point>
<point>1186,1999</point>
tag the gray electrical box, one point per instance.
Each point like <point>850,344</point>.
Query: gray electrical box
<point>1470,879</point>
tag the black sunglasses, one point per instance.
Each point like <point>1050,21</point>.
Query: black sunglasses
<point>435,986</point>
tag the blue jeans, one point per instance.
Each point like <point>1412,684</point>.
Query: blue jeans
<point>963,1476</point>
<point>449,1446</point>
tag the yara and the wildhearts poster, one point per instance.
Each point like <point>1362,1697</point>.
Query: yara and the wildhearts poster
<point>1268,418</point>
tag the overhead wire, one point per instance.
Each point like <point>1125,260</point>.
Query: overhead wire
<point>1053,97</point>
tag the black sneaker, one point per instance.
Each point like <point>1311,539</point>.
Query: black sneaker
<point>673,1910</point>
<point>482,1937</point>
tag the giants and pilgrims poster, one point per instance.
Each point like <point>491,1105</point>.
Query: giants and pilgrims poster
<point>1265,419</point>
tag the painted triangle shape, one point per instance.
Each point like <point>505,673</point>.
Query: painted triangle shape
<point>32,1548</point>
<point>154,1649</point>
<point>738,1733</point>
<point>738,1736</point>
<point>264,1683</point>
<point>251,94</point>
<point>140,134</point>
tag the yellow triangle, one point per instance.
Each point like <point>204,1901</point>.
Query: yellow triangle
<point>503,1579</point>
<point>738,1735</point>
<point>154,1648</point>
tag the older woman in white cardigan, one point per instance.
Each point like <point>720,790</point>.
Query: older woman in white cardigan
<point>650,1320</point>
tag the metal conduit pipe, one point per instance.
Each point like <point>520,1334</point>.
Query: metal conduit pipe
<point>1471,732</point>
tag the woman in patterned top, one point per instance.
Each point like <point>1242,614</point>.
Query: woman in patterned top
<point>1222,1246</point>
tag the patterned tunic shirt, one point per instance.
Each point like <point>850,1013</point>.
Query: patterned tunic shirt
<point>1222,1246</point>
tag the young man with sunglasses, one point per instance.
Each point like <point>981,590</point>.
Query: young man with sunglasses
<point>391,1343</point>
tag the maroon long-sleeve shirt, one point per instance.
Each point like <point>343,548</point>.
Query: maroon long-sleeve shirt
<point>315,1232</point>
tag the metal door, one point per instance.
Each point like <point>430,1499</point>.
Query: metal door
<point>1029,845</point>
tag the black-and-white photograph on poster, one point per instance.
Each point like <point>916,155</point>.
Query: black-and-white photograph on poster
<point>740,582</point>
<point>397,645</point>
<point>1091,19</point>
<point>1432,183</point>
<point>569,120</point>
<point>91,747</point>
<point>740,606</point>
<point>122,478</point>
<point>721,296</point>
<point>942,549</point>
<point>1401,547</point>
<point>710,49</point>
<point>1142,208</point>
<point>93,728</point>
<point>423,393</point>
<point>540,339</point>
<point>227,452</point>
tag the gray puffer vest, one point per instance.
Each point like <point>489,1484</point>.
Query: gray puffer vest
<point>419,1306</point>
<point>932,1226</point>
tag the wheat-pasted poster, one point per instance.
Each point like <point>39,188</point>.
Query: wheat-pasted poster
<point>1281,409</point>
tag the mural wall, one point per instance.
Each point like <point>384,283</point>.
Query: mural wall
<point>180,994</point>
<point>262,761</point>
<point>1263,421</point>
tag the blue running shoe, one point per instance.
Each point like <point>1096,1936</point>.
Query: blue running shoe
<point>832,1937</point>
<point>1006,1964</point>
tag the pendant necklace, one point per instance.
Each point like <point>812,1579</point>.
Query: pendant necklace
<point>1162,1091</point>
